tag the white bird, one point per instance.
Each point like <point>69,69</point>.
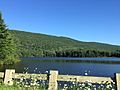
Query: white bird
<point>86,74</point>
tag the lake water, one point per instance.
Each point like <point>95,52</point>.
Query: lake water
<point>70,66</point>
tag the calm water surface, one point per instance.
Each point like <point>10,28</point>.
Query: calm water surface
<point>41,65</point>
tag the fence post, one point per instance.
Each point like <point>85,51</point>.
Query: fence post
<point>53,80</point>
<point>8,76</point>
<point>118,81</point>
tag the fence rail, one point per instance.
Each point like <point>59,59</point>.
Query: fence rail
<point>91,79</point>
<point>53,77</point>
<point>1,74</point>
<point>37,76</point>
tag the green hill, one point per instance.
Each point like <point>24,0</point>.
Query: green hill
<point>42,45</point>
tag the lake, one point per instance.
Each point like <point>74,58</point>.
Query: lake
<point>70,66</point>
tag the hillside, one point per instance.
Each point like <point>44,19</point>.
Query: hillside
<point>41,45</point>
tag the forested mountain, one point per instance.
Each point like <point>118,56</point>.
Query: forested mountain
<point>41,45</point>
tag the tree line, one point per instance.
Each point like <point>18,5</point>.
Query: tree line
<point>71,53</point>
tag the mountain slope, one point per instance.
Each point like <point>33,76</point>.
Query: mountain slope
<point>41,45</point>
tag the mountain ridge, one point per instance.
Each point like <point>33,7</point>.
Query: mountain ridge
<point>31,43</point>
<point>67,37</point>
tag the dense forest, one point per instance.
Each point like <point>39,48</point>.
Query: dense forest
<point>41,45</point>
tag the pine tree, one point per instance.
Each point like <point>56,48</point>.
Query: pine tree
<point>8,54</point>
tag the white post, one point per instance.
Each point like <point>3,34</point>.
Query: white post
<point>118,81</point>
<point>8,76</point>
<point>53,85</point>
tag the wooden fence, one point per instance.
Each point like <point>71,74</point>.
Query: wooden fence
<point>53,77</point>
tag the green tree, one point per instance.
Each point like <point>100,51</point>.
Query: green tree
<point>8,54</point>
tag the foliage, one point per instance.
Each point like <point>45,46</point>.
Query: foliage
<point>23,84</point>
<point>8,49</point>
<point>87,86</point>
<point>3,87</point>
<point>41,45</point>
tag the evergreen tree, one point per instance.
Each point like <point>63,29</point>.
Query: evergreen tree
<point>8,54</point>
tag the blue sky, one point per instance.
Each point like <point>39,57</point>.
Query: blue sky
<point>84,20</point>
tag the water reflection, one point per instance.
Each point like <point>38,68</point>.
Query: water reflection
<point>71,67</point>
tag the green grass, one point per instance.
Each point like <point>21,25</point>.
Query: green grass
<point>4,87</point>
